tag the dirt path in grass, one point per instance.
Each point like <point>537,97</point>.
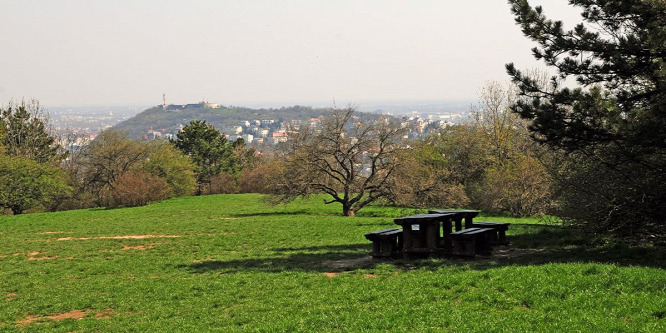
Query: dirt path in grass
<point>119,237</point>
<point>74,314</point>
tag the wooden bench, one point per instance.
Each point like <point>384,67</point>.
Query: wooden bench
<point>500,230</point>
<point>385,242</point>
<point>470,241</point>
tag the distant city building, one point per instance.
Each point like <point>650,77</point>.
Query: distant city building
<point>278,137</point>
<point>200,105</point>
<point>248,138</point>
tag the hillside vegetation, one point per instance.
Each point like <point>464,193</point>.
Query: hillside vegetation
<point>221,118</point>
<point>231,263</point>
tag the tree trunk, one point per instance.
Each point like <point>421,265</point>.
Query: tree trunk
<point>347,211</point>
<point>16,210</point>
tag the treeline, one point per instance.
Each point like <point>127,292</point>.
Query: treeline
<point>113,170</point>
<point>489,163</point>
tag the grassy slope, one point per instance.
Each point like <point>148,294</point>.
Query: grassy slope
<point>241,265</point>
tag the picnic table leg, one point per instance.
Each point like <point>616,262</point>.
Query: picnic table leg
<point>431,232</point>
<point>376,249</point>
<point>469,222</point>
<point>407,240</point>
<point>446,233</point>
<point>459,224</point>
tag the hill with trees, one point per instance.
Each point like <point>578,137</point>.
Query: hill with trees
<point>171,118</point>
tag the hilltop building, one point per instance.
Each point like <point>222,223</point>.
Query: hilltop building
<point>200,105</point>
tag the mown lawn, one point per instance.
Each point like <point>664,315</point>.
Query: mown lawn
<point>232,263</point>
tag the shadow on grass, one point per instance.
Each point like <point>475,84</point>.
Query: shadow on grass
<point>272,213</point>
<point>314,258</point>
<point>530,245</point>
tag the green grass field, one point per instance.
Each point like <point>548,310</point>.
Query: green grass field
<point>233,263</point>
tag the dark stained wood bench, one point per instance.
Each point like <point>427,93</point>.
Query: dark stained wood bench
<point>470,241</point>
<point>385,242</point>
<point>500,230</point>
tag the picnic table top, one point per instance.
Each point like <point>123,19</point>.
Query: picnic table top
<point>422,218</point>
<point>463,212</point>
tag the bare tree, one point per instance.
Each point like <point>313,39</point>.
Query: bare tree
<point>349,158</point>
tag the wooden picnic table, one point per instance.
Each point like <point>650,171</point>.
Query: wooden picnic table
<point>460,214</point>
<point>421,233</point>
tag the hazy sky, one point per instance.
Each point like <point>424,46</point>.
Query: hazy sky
<point>117,52</point>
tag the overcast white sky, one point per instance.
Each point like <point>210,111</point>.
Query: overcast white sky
<point>129,52</point>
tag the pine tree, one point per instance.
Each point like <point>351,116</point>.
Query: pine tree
<point>25,133</point>
<point>208,149</point>
<point>612,124</point>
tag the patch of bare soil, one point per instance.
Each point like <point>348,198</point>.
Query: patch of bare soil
<point>140,237</point>
<point>74,314</point>
<point>42,258</point>
<point>370,276</point>
<point>135,247</point>
<point>331,274</point>
<point>33,255</point>
<point>10,296</point>
<point>120,237</point>
<point>106,314</point>
<point>347,263</point>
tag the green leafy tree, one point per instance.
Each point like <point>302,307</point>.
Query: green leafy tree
<point>25,133</point>
<point>25,183</point>
<point>613,123</point>
<point>171,164</point>
<point>209,150</point>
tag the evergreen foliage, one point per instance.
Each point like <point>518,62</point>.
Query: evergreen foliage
<point>24,132</point>
<point>209,150</point>
<point>611,127</point>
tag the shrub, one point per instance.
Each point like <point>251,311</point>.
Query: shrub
<point>138,188</point>
<point>422,181</point>
<point>25,183</point>
<point>520,187</point>
<point>257,179</point>
<point>222,184</point>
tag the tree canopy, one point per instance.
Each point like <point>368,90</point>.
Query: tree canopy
<point>208,149</point>
<point>350,160</point>
<point>25,183</point>
<point>612,119</point>
<point>24,132</point>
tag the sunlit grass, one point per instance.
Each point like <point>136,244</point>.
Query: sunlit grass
<point>234,263</point>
